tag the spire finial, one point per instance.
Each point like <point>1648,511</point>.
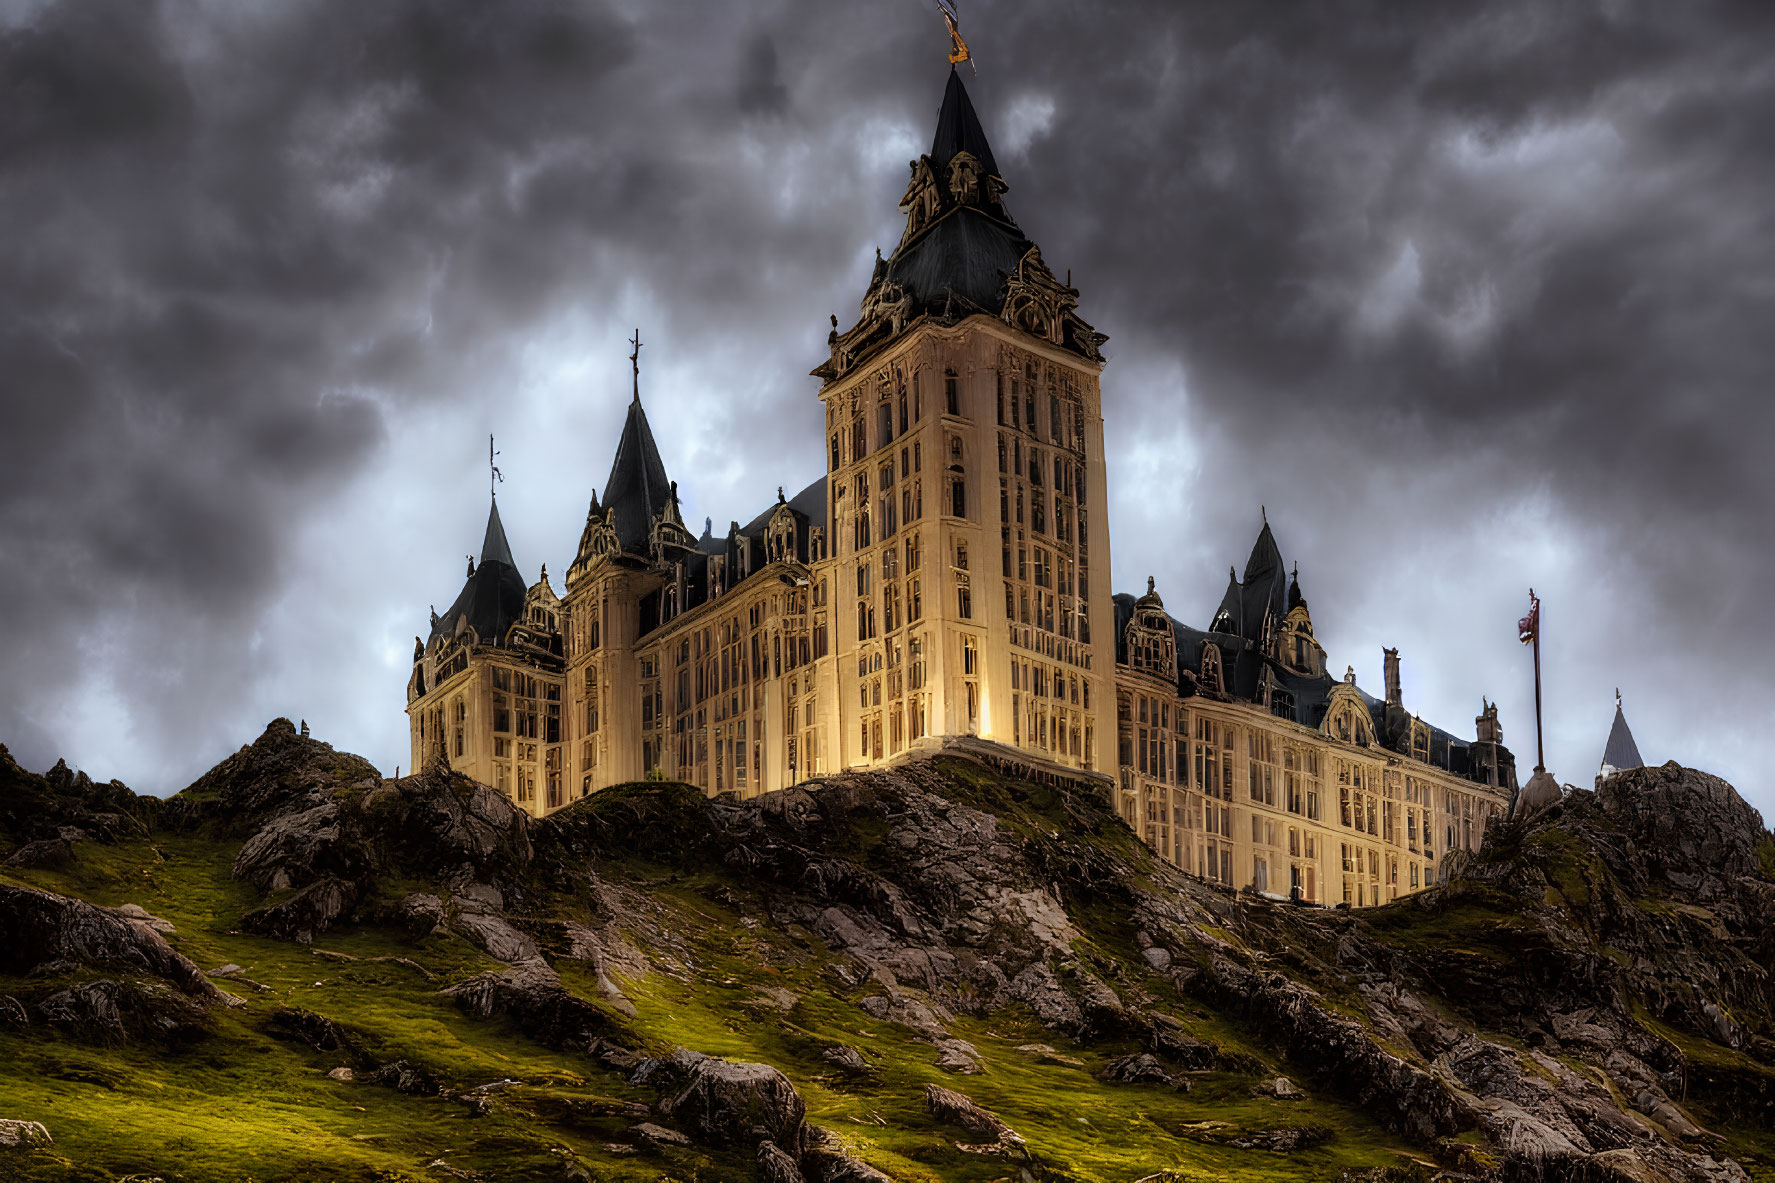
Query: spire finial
<point>1617,698</point>
<point>1149,585</point>
<point>635,361</point>
<point>958,51</point>
<point>779,494</point>
<point>1263,511</point>
<point>494,476</point>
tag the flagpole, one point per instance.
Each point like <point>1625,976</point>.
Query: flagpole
<point>1530,629</point>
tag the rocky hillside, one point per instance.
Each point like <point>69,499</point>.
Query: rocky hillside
<point>296,969</point>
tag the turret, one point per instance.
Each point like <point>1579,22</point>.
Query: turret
<point>1620,753</point>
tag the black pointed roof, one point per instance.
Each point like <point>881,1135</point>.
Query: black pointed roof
<point>1263,591</point>
<point>1621,752</point>
<point>494,547</point>
<point>637,489</point>
<point>959,130</point>
<point>1265,585</point>
<point>493,597</point>
<point>962,250</point>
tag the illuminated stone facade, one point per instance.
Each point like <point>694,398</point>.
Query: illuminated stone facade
<point>947,577</point>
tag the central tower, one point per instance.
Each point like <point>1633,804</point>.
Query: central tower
<point>969,557</point>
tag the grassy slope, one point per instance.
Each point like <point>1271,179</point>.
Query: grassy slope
<point>241,1104</point>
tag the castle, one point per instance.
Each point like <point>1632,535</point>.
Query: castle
<point>948,577</point>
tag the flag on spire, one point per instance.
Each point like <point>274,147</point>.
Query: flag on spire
<point>959,50</point>
<point>1529,627</point>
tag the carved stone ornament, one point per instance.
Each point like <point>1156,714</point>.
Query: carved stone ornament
<point>921,199</point>
<point>964,179</point>
<point>1035,301</point>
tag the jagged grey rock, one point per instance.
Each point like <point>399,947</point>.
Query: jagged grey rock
<point>727,1102</point>
<point>14,1132</point>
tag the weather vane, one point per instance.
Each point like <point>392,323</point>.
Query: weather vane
<point>494,476</point>
<point>958,52</point>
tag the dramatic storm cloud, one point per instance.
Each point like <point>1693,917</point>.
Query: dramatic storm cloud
<point>1470,297</point>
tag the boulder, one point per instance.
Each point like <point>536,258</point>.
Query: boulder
<point>1140,1068</point>
<point>776,1165</point>
<point>826,1160</point>
<point>421,914</point>
<point>657,1134</point>
<point>846,1058</point>
<point>495,936</point>
<point>343,1074</point>
<point>14,1132</point>
<point>1693,831</point>
<point>1169,1039</point>
<point>959,1109</point>
<point>91,1012</point>
<point>405,1077</point>
<point>13,1013</point>
<point>532,994</point>
<point>40,926</point>
<point>304,1026</point>
<point>1045,1054</point>
<point>727,1102</point>
<point>306,914</point>
<point>46,853</point>
<point>959,1056</point>
<point>136,914</point>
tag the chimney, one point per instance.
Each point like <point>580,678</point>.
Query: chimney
<point>1391,661</point>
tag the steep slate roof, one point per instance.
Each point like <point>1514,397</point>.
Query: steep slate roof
<point>966,253</point>
<point>494,547</point>
<point>493,597</point>
<point>1621,752</point>
<point>958,128</point>
<point>637,489</point>
<point>1267,585</point>
<point>963,259</point>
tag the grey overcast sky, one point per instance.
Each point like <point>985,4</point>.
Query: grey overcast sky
<point>1472,296</point>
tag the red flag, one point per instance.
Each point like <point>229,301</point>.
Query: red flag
<point>1530,626</point>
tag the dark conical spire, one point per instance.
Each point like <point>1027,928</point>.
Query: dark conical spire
<point>1620,753</point>
<point>494,547</point>
<point>493,595</point>
<point>1266,557</point>
<point>637,489</point>
<point>959,130</point>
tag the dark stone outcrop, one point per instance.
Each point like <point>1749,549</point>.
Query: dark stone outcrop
<point>38,927</point>
<point>325,827</point>
<point>305,1026</point>
<point>953,1108</point>
<point>307,912</point>
<point>45,852</point>
<point>776,1165</point>
<point>725,1103</point>
<point>1139,1068</point>
<point>67,806</point>
<point>406,1078</point>
<point>110,1012</point>
<point>532,995</point>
